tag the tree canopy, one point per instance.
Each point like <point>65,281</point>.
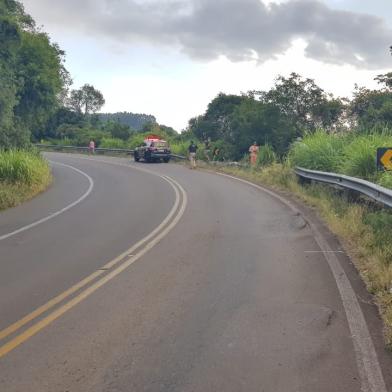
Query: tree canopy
<point>32,76</point>
<point>86,100</point>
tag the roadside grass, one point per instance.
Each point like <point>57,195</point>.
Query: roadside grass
<point>364,229</point>
<point>350,154</point>
<point>318,151</point>
<point>23,174</point>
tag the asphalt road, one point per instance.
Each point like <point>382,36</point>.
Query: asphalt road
<point>142,277</point>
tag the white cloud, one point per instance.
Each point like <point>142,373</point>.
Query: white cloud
<point>237,29</point>
<point>150,66</point>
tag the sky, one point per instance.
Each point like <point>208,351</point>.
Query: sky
<point>170,58</point>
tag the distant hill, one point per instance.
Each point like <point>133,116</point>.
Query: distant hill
<point>134,120</point>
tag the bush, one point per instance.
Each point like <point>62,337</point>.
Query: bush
<point>108,142</point>
<point>318,151</point>
<point>359,156</point>
<point>381,224</point>
<point>135,141</point>
<point>266,156</point>
<point>385,180</point>
<point>22,167</point>
<point>180,148</point>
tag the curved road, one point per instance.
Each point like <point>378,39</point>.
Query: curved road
<point>137,277</point>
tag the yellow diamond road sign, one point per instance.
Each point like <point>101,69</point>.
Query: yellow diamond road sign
<point>384,158</point>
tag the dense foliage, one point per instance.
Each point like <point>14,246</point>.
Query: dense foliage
<point>132,120</point>
<point>293,108</point>
<point>32,76</point>
<point>350,153</point>
<point>23,174</point>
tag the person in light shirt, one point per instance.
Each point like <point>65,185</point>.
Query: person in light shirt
<point>91,147</point>
<point>253,151</point>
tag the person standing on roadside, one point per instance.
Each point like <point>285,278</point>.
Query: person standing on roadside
<point>253,151</point>
<point>215,154</point>
<point>207,149</point>
<point>91,147</point>
<point>192,150</point>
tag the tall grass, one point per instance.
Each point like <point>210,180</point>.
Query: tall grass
<point>180,148</point>
<point>318,151</point>
<point>266,156</point>
<point>23,174</point>
<point>350,154</point>
<point>108,142</point>
<point>359,155</point>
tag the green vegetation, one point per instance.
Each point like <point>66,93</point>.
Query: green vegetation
<point>32,76</point>
<point>318,151</point>
<point>23,174</point>
<point>132,120</point>
<point>352,154</point>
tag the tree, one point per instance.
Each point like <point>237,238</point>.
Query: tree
<point>39,70</point>
<point>12,18</point>
<point>264,123</point>
<point>385,80</point>
<point>86,100</point>
<point>134,120</point>
<point>303,102</point>
<point>118,131</point>
<point>31,76</point>
<point>215,123</point>
<point>371,108</point>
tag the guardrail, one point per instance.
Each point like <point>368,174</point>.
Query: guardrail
<point>57,147</point>
<point>369,189</point>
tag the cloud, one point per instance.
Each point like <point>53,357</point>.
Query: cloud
<point>238,29</point>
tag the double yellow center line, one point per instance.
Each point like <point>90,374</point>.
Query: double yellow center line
<point>93,282</point>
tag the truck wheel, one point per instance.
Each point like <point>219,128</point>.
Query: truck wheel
<point>136,157</point>
<point>166,160</point>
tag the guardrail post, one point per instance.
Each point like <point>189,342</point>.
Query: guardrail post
<point>304,181</point>
<point>352,196</point>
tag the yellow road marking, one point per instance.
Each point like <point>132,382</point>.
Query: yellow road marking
<point>12,344</point>
<point>44,308</point>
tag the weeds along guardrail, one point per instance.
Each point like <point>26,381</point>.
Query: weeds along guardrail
<point>373,191</point>
<point>118,151</point>
<point>354,185</point>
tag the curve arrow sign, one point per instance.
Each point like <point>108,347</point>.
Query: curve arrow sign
<point>384,158</point>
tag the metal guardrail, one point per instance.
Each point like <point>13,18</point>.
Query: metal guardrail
<point>58,147</point>
<point>178,156</point>
<point>369,189</point>
<point>76,148</point>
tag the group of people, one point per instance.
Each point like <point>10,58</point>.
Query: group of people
<point>192,150</point>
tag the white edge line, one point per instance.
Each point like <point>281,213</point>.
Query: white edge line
<point>367,361</point>
<point>127,263</point>
<point>126,256</point>
<point>59,212</point>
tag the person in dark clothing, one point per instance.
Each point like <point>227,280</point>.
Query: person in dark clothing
<point>192,149</point>
<point>215,154</point>
<point>207,149</point>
